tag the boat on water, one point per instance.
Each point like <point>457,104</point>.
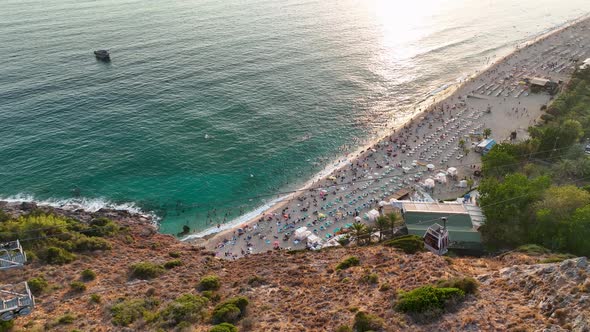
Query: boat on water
<point>103,55</point>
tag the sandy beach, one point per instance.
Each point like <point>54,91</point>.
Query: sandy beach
<point>443,135</point>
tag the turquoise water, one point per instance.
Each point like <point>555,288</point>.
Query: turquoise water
<point>208,103</point>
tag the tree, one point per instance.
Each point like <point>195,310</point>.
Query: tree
<point>487,132</point>
<point>579,232</point>
<point>462,144</point>
<point>507,206</point>
<point>359,229</point>
<point>382,224</point>
<point>500,160</point>
<point>553,214</point>
<point>393,219</point>
<point>470,183</point>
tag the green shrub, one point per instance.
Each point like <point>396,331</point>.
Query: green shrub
<point>533,249</point>
<point>146,270</point>
<point>256,281</point>
<point>211,295</point>
<point>348,262</point>
<point>372,279</point>
<point>66,319</point>
<point>174,254</point>
<point>426,298</point>
<point>410,244</point>
<point>364,322</point>
<point>172,264</point>
<point>88,275</point>
<point>224,327</point>
<point>467,285</point>
<point>95,298</point>
<point>91,244</point>
<point>557,258</point>
<point>102,227</point>
<point>6,326</point>
<point>77,286</point>
<point>58,256</point>
<point>230,311</point>
<point>37,285</point>
<point>186,308</point>
<point>343,328</point>
<point>384,287</point>
<point>209,283</point>
<point>4,216</point>
<point>126,312</point>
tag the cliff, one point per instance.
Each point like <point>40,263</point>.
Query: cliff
<point>291,291</point>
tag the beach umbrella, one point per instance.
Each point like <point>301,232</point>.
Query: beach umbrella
<point>321,216</point>
<point>357,218</point>
<point>429,183</point>
<point>430,167</point>
<point>372,215</point>
<point>452,171</point>
<point>370,177</point>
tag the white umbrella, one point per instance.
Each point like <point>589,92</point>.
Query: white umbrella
<point>357,218</point>
<point>452,171</point>
<point>373,214</point>
<point>430,167</point>
<point>429,183</point>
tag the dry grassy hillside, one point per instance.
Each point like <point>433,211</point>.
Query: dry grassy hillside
<point>300,291</point>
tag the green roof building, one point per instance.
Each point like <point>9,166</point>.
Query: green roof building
<point>463,220</point>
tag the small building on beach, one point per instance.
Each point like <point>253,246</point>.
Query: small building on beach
<point>463,220</point>
<point>485,146</point>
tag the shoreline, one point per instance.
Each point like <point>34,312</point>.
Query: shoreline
<point>391,127</point>
<point>278,203</point>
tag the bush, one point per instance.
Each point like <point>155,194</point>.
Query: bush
<point>410,244</point>
<point>364,322</point>
<point>126,312</point>
<point>78,286</point>
<point>172,264</point>
<point>209,283</point>
<point>533,249</point>
<point>467,285</point>
<point>91,244</point>
<point>58,256</point>
<point>37,285</point>
<point>95,298</point>
<point>372,279</point>
<point>174,254</point>
<point>6,326</point>
<point>557,258</point>
<point>426,298</point>
<point>102,227</point>
<point>224,327</point>
<point>146,270</point>
<point>343,328</point>
<point>211,295</point>
<point>186,308</point>
<point>348,262</point>
<point>256,281</point>
<point>88,275</point>
<point>66,319</point>
<point>230,311</point>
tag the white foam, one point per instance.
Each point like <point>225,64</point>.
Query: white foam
<point>86,204</point>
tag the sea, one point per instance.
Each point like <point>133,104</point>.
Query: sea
<point>211,110</point>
